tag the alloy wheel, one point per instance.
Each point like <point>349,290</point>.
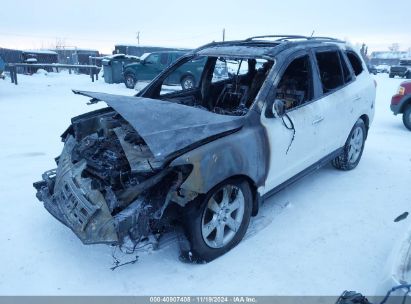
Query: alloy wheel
<point>223,216</point>
<point>355,145</point>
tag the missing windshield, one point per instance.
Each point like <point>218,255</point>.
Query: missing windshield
<point>222,85</point>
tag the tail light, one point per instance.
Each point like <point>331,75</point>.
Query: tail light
<point>401,90</point>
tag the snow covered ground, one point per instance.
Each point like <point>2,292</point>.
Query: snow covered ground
<point>329,232</point>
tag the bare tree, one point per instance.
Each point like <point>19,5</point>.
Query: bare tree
<point>60,43</point>
<point>395,47</point>
<point>364,52</point>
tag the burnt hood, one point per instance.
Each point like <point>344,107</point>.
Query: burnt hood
<point>168,127</point>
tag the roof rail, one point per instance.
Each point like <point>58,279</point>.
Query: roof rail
<point>277,36</point>
<point>326,38</point>
<point>288,37</point>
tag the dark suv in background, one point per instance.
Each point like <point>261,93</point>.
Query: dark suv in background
<point>402,70</point>
<point>152,64</point>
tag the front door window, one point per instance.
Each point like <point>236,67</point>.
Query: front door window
<point>295,86</point>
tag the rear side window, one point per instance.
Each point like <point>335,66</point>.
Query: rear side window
<point>330,71</point>
<point>355,62</point>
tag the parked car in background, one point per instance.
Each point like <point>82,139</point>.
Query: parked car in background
<point>152,64</point>
<point>206,155</point>
<point>372,69</point>
<point>401,70</point>
<point>383,68</point>
<point>401,103</point>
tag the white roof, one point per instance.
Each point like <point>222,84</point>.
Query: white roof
<point>40,52</point>
<point>390,55</point>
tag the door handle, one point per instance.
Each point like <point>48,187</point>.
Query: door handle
<point>357,97</point>
<point>318,120</point>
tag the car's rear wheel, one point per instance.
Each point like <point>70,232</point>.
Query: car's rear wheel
<point>218,221</point>
<point>130,81</point>
<point>406,117</point>
<point>408,75</point>
<point>187,82</point>
<point>391,76</point>
<point>353,148</point>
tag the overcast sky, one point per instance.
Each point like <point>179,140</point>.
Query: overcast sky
<point>102,24</point>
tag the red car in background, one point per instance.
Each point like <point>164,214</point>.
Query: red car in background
<point>401,103</point>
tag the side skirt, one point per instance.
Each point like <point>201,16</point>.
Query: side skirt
<point>322,162</point>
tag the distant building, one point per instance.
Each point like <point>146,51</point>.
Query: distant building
<point>27,56</point>
<point>40,56</point>
<point>388,58</point>
<point>78,56</point>
<point>138,50</point>
<point>11,56</point>
<point>75,55</point>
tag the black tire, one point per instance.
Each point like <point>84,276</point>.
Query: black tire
<point>391,76</point>
<point>201,248</point>
<point>408,75</point>
<point>130,81</point>
<point>187,82</point>
<point>406,117</point>
<point>352,152</point>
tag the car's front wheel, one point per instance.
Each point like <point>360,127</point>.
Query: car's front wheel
<point>406,117</point>
<point>353,148</point>
<point>218,221</point>
<point>130,81</point>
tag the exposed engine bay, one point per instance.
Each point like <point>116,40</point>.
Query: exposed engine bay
<point>103,186</point>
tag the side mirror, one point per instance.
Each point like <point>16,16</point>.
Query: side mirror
<point>279,107</point>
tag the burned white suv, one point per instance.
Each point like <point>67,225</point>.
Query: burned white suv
<point>205,158</point>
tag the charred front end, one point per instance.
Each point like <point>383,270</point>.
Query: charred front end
<point>107,184</point>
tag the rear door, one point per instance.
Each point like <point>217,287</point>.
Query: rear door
<point>339,95</point>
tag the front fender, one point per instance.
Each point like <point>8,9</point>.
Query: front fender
<point>244,152</point>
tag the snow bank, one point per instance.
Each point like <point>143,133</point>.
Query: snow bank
<point>329,232</point>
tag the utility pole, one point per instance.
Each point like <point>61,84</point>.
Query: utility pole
<point>138,37</point>
<point>223,34</point>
